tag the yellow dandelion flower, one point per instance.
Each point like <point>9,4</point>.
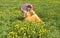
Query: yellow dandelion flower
<point>22,28</point>
<point>17,25</point>
<point>40,31</point>
<point>45,30</point>
<point>11,33</point>
<point>24,34</point>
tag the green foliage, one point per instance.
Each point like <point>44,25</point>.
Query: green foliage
<point>28,30</point>
<point>12,24</point>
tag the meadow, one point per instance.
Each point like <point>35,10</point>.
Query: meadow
<point>12,24</point>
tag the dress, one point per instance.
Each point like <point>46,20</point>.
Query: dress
<point>33,18</point>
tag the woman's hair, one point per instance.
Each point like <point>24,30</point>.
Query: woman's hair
<point>29,6</point>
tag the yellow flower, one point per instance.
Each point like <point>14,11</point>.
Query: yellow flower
<point>45,30</point>
<point>22,28</point>
<point>11,33</point>
<point>24,34</point>
<point>40,31</point>
<point>17,25</point>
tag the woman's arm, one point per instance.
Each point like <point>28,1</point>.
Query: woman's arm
<point>25,14</point>
<point>33,12</point>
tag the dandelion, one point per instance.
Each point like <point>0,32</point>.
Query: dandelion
<point>22,28</point>
<point>24,34</point>
<point>45,30</point>
<point>17,25</point>
<point>40,31</point>
<point>11,33</point>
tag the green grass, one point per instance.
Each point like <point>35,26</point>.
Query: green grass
<point>47,10</point>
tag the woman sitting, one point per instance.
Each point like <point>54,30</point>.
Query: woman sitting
<point>30,15</point>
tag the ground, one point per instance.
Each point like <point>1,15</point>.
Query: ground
<point>12,23</point>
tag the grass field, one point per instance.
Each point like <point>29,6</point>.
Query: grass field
<point>12,24</point>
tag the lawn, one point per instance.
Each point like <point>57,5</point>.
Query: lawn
<point>12,24</point>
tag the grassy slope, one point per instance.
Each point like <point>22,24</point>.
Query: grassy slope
<point>47,10</point>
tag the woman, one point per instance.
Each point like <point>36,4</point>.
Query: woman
<point>30,15</point>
